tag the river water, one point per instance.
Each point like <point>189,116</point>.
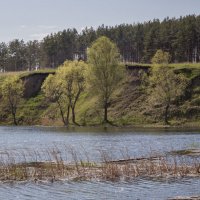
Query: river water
<point>118,143</point>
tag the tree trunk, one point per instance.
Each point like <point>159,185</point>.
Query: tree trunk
<point>15,120</point>
<point>65,121</point>
<point>73,105</point>
<point>166,114</point>
<point>105,113</point>
<point>63,118</point>
<point>14,117</point>
<point>68,110</point>
<point>73,115</point>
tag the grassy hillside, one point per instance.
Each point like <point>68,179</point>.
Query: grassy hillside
<point>129,106</point>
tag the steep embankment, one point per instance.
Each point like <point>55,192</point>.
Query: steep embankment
<point>33,83</point>
<point>129,104</point>
<point>33,105</point>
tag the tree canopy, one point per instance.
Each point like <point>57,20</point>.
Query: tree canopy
<point>65,87</point>
<point>136,43</point>
<point>12,93</point>
<point>105,71</point>
<point>161,57</point>
<point>165,86</point>
<point>72,75</point>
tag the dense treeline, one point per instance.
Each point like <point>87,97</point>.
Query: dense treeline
<point>136,42</point>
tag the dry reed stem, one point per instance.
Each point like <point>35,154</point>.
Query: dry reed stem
<point>56,166</point>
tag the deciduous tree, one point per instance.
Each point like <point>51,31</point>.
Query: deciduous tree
<point>161,57</point>
<point>72,75</point>
<point>53,90</point>
<point>12,92</point>
<point>165,85</point>
<point>65,88</point>
<point>105,71</point>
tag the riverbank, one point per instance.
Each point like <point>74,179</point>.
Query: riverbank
<point>190,126</point>
<point>129,106</point>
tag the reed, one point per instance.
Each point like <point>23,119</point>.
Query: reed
<point>56,164</point>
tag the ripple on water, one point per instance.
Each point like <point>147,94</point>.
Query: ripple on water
<point>137,189</point>
<point>138,143</point>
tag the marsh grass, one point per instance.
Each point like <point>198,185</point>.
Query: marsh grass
<point>71,165</point>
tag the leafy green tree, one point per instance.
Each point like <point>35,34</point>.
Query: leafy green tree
<point>72,75</point>
<point>165,86</point>
<point>53,90</point>
<point>12,93</point>
<point>161,57</point>
<point>65,87</point>
<point>105,71</point>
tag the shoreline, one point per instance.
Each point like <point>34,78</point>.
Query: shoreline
<point>105,127</point>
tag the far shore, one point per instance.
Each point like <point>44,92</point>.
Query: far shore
<point>116,128</point>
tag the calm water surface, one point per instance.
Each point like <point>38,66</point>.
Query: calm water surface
<point>138,142</point>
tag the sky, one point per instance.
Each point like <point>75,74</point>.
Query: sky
<point>34,19</point>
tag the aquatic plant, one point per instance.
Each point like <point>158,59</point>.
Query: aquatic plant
<point>56,164</point>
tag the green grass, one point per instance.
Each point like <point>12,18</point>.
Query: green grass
<point>87,109</point>
<point>32,109</point>
<point>185,65</point>
<point>3,76</point>
<point>41,71</point>
<point>128,109</point>
<point>139,64</point>
<point>129,105</point>
<point>190,70</point>
<point>22,74</point>
<point>26,73</point>
<point>175,65</point>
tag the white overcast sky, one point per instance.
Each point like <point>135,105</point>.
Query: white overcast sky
<point>34,19</point>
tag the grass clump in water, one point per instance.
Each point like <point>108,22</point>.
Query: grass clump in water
<point>17,167</point>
